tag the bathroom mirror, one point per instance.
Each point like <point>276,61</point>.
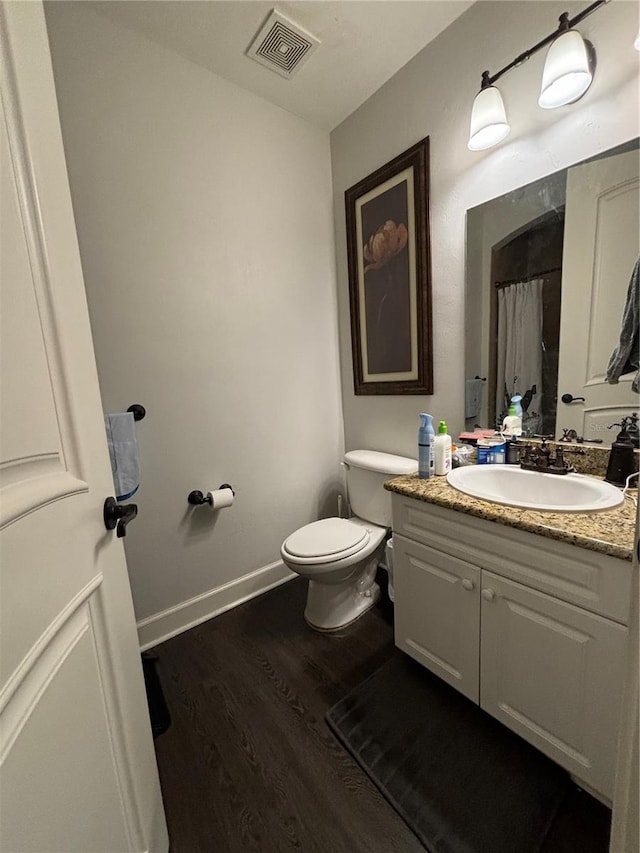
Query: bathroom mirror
<point>549,270</point>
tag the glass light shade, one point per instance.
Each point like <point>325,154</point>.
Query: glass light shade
<point>636,43</point>
<point>488,120</point>
<point>567,71</point>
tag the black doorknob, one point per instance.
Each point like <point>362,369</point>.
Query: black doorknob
<point>569,398</point>
<point>119,515</point>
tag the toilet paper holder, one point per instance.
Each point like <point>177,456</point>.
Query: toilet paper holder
<point>198,498</point>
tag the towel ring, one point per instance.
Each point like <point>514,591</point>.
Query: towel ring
<point>138,411</point>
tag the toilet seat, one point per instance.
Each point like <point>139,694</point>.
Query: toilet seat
<point>325,541</point>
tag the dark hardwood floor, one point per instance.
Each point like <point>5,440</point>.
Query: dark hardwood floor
<point>249,763</point>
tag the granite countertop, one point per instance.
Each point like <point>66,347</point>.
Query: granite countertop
<point>611,532</point>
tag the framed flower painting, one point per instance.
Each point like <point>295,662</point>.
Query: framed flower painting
<point>388,252</point>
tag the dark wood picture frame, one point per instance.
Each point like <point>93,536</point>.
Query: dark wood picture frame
<point>389,258</point>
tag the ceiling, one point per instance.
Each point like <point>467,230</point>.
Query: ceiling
<point>363,44</point>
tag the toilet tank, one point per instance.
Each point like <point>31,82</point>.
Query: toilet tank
<point>367,471</point>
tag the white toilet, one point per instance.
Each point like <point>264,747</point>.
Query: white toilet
<point>339,555</point>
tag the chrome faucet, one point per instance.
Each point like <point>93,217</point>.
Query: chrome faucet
<point>538,458</point>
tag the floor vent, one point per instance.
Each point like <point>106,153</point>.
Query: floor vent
<point>282,45</point>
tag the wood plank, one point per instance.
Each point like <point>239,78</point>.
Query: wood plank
<point>249,762</point>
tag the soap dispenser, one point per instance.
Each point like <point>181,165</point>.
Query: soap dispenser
<point>512,424</point>
<point>621,461</point>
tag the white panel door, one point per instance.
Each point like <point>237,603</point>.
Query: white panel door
<point>437,610</point>
<point>554,674</point>
<point>78,770</point>
<point>601,247</point>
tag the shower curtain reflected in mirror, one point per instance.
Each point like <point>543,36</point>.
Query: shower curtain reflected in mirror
<point>519,351</point>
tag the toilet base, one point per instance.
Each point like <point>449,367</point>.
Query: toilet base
<point>333,606</point>
<point>367,604</point>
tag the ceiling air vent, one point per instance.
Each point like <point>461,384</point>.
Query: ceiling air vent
<point>282,45</point>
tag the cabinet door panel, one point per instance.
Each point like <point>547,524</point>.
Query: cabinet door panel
<point>438,613</point>
<point>553,673</point>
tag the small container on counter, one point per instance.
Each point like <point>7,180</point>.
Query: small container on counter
<point>513,452</point>
<point>491,451</point>
<point>463,454</point>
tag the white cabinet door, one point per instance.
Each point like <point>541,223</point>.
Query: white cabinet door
<point>77,766</point>
<point>438,613</point>
<point>554,674</point>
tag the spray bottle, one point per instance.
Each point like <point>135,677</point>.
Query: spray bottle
<point>516,402</point>
<point>426,456</point>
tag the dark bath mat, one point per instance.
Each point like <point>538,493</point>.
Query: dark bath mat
<point>158,710</point>
<point>462,781</point>
<point>582,824</point>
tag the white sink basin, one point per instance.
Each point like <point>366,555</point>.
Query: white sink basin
<point>510,485</point>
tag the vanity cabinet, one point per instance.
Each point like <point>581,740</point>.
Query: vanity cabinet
<point>531,629</point>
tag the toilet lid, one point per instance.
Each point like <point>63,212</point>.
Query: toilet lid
<point>326,537</point>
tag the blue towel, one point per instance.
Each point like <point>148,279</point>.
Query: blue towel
<point>123,450</point>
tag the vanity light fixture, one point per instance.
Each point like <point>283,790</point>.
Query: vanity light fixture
<point>488,118</point>
<point>568,73</point>
<point>568,69</point>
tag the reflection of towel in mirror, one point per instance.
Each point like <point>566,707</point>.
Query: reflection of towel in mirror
<point>626,356</point>
<point>473,398</point>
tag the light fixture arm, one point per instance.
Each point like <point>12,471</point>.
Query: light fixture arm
<point>565,23</point>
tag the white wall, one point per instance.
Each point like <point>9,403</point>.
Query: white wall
<point>432,96</point>
<point>204,217</point>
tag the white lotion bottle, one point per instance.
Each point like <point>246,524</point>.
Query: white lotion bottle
<point>442,448</point>
<point>512,424</point>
